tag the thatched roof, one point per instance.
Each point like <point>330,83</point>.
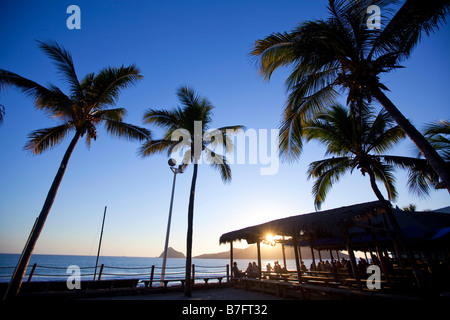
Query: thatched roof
<point>326,228</point>
<point>314,225</point>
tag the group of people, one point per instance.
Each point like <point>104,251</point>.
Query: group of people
<point>276,268</point>
<point>253,271</point>
<point>341,265</point>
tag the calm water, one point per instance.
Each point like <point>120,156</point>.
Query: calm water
<point>54,267</point>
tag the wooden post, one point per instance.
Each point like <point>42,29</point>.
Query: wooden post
<point>313,259</point>
<point>320,256</point>
<point>100,273</point>
<point>352,260</point>
<point>32,272</point>
<point>297,262</point>
<point>284,254</point>
<point>228,273</point>
<point>300,253</point>
<point>333,266</point>
<point>152,273</point>
<point>258,246</point>
<point>193,274</point>
<point>381,257</point>
<point>231,260</point>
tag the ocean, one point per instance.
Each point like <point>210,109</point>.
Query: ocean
<point>55,267</point>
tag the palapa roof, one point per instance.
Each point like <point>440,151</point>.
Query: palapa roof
<point>320,224</point>
<point>326,228</point>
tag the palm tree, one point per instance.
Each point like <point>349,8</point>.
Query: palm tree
<point>354,143</point>
<point>410,207</point>
<point>186,131</point>
<point>81,111</point>
<point>341,53</point>
<point>357,142</point>
<point>421,176</point>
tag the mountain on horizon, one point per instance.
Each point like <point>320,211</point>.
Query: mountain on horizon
<point>172,253</point>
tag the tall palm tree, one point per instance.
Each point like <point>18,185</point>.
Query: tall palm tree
<point>421,176</point>
<point>357,142</point>
<point>341,53</point>
<point>354,143</point>
<point>186,131</point>
<point>81,111</point>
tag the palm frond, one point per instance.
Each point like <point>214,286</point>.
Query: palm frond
<point>126,130</point>
<point>421,176</point>
<point>2,113</point>
<point>274,51</point>
<point>221,137</point>
<point>219,162</point>
<point>116,114</point>
<point>165,119</point>
<point>151,147</point>
<point>64,63</point>
<point>305,106</point>
<point>109,83</point>
<point>48,99</point>
<point>44,139</point>
<point>441,127</point>
<point>291,138</point>
<point>405,30</point>
<point>384,173</point>
<point>438,134</point>
<point>327,172</point>
<point>382,134</point>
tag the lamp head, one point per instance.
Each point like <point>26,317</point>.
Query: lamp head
<point>172,162</point>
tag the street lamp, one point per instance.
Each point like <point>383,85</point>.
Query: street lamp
<point>172,163</point>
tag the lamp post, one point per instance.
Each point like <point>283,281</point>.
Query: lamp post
<point>172,164</point>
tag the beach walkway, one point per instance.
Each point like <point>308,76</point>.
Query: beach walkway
<point>201,294</point>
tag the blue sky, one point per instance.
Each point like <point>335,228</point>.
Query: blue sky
<point>203,44</point>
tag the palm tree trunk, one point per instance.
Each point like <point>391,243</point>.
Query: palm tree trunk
<point>430,154</point>
<point>398,236</point>
<point>19,273</point>
<point>188,288</point>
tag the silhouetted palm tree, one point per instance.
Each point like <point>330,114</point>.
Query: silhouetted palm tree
<point>357,142</point>
<point>186,131</point>
<point>342,53</point>
<point>81,111</point>
<point>410,207</point>
<point>353,143</point>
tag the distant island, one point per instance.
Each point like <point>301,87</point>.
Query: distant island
<point>269,252</point>
<point>172,253</point>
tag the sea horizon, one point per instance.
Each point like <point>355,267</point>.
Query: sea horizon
<point>54,267</point>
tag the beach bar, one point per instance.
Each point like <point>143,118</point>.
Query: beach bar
<point>408,250</point>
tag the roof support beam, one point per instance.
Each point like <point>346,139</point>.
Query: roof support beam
<point>352,259</point>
